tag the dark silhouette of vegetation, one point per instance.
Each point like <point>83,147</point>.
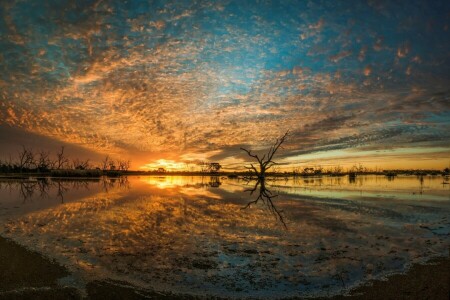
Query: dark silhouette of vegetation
<point>29,162</point>
<point>61,159</point>
<point>209,167</point>
<point>45,164</point>
<point>266,161</point>
<point>105,163</point>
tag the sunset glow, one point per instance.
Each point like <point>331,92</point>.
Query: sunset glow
<point>167,165</point>
<point>224,149</point>
<point>175,82</point>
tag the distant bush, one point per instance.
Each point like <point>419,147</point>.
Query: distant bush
<point>112,173</point>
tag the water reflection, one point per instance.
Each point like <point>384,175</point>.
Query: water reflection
<point>190,234</point>
<point>266,196</point>
<point>30,189</point>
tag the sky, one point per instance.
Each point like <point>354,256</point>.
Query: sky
<point>171,83</point>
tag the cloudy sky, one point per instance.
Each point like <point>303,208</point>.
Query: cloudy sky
<point>354,81</point>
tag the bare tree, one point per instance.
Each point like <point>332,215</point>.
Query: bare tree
<point>78,164</point>
<point>337,169</point>
<point>44,163</point>
<point>11,164</point>
<point>61,159</point>
<point>123,165</point>
<point>265,162</point>
<point>112,165</point>
<point>209,167</point>
<point>22,158</point>
<point>30,160</point>
<point>203,166</point>
<point>105,163</point>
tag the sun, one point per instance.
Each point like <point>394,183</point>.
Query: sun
<point>168,165</point>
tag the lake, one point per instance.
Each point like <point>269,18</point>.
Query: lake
<point>218,236</point>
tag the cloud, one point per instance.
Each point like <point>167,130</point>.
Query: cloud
<point>336,58</point>
<point>12,140</point>
<point>169,80</point>
<point>403,50</point>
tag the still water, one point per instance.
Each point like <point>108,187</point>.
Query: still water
<point>231,237</point>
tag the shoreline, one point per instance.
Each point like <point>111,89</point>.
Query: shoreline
<point>26,274</point>
<point>230,174</point>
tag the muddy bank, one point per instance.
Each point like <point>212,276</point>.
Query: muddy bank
<point>28,275</point>
<point>430,281</point>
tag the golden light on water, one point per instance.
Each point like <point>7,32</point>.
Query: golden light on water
<point>145,229</point>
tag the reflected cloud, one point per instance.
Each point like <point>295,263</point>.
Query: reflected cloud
<point>182,238</point>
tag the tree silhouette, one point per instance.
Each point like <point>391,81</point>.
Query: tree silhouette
<point>105,163</point>
<point>266,162</point>
<point>61,159</point>
<point>44,162</point>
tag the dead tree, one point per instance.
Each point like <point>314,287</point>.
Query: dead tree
<point>78,164</point>
<point>203,166</point>
<point>105,163</point>
<point>61,159</point>
<point>44,162</point>
<point>30,160</point>
<point>22,158</point>
<point>266,161</point>
<point>123,165</point>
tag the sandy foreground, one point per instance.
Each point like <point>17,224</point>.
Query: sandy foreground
<point>29,275</point>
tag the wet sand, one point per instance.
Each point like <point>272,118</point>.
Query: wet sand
<point>28,275</point>
<point>429,281</point>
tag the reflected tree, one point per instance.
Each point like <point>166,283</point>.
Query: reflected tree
<point>265,196</point>
<point>26,190</point>
<point>61,190</point>
<point>56,188</point>
<point>43,185</point>
<point>214,181</point>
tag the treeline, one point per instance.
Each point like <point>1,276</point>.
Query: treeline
<point>360,170</point>
<point>29,161</point>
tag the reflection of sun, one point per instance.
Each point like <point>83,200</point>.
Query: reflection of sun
<point>164,182</point>
<point>188,186</point>
<point>161,182</point>
<point>168,165</point>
